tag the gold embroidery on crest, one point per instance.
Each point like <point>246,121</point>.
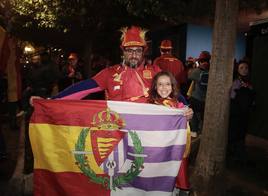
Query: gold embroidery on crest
<point>107,120</point>
<point>147,74</point>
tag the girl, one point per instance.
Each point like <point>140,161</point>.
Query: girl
<point>164,92</point>
<point>242,99</point>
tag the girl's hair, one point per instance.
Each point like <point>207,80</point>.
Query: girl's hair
<point>153,95</point>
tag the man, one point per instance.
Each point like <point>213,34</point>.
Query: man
<point>128,81</point>
<point>41,78</point>
<point>168,62</point>
<point>199,76</point>
<point>71,73</point>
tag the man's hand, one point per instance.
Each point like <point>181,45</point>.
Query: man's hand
<point>34,97</point>
<point>188,112</point>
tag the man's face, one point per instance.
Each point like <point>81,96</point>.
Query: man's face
<point>72,61</point>
<point>203,64</point>
<point>36,59</point>
<point>165,51</point>
<point>133,56</point>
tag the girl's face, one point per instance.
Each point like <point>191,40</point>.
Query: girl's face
<point>243,69</point>
<point>164,86</point>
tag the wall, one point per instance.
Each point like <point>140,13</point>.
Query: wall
<point>199,38</point>
<point>258,47</point>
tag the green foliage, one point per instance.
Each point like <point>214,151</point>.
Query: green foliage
<point>43,12</point>
<point>167,10</point>
<point>63,14</point>
<point>92,18</point>
<point>52,13</point>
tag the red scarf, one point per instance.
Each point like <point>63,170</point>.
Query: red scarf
<point>169,103</point>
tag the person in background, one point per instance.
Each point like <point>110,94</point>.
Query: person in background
<point>99,63</point>
<point>164,91</point>
<point>72,72</point>
<point>242,100</point>
<point>41,79</point>
<point>10,67</point>
<point>189,65</point>
<point>199,76</point>
<point>168,62</point>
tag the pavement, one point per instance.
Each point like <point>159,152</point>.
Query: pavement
<point>245,179</point>
<point>249,178</point>
<point>9,163</point>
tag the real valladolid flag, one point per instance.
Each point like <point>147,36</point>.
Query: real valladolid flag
<point>101,148</point>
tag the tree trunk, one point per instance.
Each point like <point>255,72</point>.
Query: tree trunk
<point>208,178</point>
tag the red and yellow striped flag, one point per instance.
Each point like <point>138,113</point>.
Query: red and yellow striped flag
<point>53,142</point>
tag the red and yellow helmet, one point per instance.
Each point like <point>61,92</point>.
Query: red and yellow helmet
<point>133,36</point>
<point>166,44</point>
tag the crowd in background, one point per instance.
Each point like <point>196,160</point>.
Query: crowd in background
<point>43,74</point>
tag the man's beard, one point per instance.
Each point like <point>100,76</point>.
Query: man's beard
<point>132,63</point>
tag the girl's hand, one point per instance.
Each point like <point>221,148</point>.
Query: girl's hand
<point>188,113</point>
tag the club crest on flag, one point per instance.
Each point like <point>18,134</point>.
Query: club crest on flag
<point>105,135</point>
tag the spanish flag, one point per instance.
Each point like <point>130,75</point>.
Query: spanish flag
<point>86,147</point>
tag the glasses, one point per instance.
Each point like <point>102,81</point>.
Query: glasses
<point>132,51</point>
